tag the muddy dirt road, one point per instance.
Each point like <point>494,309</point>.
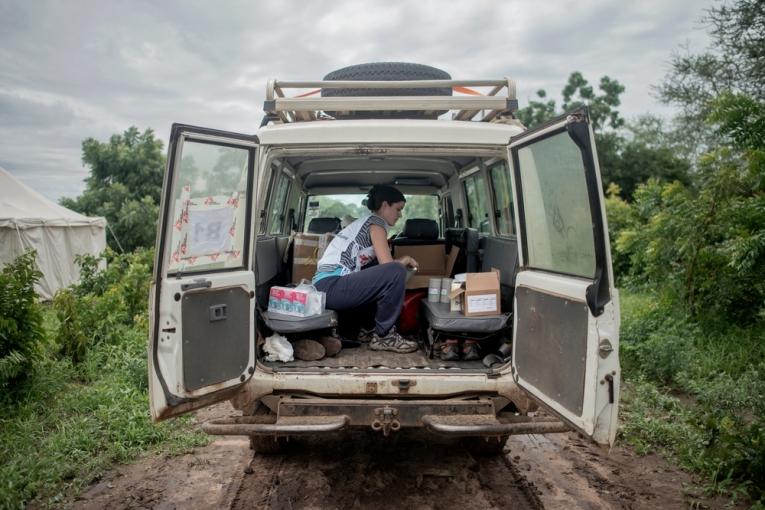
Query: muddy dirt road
<point>361,469</point>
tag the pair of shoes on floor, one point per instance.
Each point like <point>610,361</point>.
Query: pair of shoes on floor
<point>313,350</point>
<point>450,351</point>
<point>392,341</point>
<point>470,351</point>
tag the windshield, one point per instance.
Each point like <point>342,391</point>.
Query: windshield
<point>349,207</point>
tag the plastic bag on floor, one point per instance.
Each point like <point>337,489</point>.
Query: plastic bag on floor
<point>278,348</point>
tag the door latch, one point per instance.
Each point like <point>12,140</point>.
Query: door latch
<point>217,313</point>
<point>405,384</point>
<point>605,348</point>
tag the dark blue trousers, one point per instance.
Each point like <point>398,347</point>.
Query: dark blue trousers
<point>379,288</point>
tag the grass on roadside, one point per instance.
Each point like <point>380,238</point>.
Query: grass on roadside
<point>717,428</point>
<point>68,423</point>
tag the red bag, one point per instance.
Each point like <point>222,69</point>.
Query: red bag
<point>407,321</point>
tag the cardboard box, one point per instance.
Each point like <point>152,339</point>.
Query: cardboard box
<point>432,260</point>
<point>479,295</point>
<point>307,250</point>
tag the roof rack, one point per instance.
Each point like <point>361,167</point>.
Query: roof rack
<point>306,107</point>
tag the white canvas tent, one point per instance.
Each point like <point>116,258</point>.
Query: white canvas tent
<point>28,221</point>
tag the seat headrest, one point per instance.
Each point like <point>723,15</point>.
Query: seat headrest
<point>420,228</point>
<point>326,225</point>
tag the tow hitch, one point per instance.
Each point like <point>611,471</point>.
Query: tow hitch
<point>386,419</point>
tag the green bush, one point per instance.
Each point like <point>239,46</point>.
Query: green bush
<point>705,243</point>
<point>620,218</point>
<point>655,345</point>
<point>79,413</point>
<point>695,389</point>
<point>106,300</point>
<point>72,339</point>
<point>62,434</point>
<point>21,322</point>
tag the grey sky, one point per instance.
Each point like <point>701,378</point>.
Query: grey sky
<point>72,70</point>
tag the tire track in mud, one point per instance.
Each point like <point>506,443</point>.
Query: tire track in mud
<point>360,469</point>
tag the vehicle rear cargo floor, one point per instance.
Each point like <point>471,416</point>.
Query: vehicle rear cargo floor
<point>364,357</point>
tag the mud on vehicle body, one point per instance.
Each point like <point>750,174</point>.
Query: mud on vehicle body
<point>527,203</point>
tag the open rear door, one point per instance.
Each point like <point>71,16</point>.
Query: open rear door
<point>201,347</point>
<point>566,325</point>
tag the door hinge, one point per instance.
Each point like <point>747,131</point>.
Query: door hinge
<point>610,380</point>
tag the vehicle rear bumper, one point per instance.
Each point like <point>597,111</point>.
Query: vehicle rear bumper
<point>453,417</point>
<point>264,425</point>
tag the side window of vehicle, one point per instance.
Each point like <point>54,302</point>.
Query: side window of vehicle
<point>503,197</point>
<point>278,205</point>
<point>478,210</point>
<point>447,212</point>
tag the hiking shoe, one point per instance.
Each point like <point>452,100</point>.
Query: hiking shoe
<point>470,351</point>
<point>450,352</point>
<point>365,335</point>
<point>392,342</point>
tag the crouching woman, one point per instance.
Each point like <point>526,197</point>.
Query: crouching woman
<point>358,272</point>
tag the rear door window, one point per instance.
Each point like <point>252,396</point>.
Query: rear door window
<point>208,207</point>
<point>559,222</point>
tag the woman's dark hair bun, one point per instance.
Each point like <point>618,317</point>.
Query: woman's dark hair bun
<point>381,193</point>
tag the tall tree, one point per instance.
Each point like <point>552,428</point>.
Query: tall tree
<point>734,61</point>
<point>538,112</point>
<point>578,92</point>
<point>603,112</point>
<point>643,150</point>
<point>124,186</point>
<point>629,153</point>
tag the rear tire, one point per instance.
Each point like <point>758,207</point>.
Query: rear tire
<point>266,445</point>
<point>481,446</point>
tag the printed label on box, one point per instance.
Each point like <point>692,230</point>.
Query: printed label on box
<point>482,303</point>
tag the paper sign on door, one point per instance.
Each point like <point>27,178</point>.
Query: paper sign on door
<point>208,231</point>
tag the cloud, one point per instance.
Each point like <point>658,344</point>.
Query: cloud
<point>77,70</point>
<point>24,113</point>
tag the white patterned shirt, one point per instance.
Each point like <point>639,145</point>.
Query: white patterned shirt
<point>350,250</point>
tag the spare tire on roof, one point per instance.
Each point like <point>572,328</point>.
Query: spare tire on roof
<point>387,71</point>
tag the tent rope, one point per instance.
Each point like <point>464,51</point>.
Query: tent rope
<point>115,238</point>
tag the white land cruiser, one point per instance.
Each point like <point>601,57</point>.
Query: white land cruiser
<point>526,202</point>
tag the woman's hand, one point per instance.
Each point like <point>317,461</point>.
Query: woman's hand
<point>408,261</point>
